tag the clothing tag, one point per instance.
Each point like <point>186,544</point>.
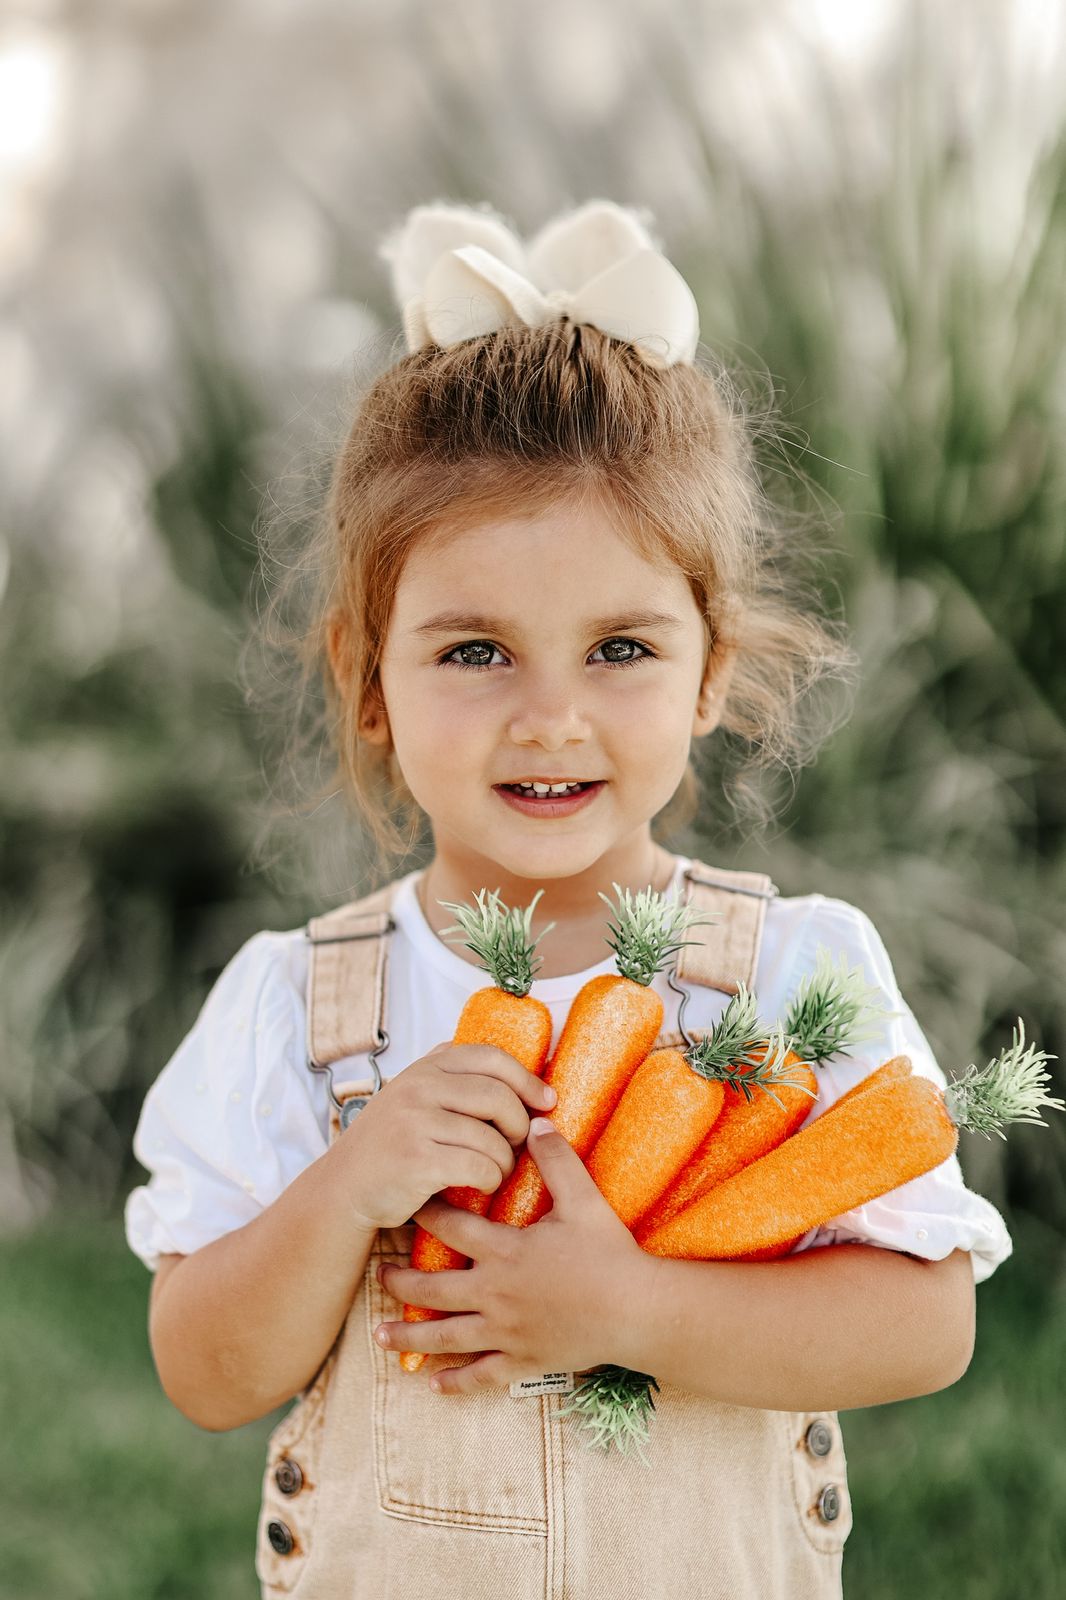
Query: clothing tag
<point>547,1383</point>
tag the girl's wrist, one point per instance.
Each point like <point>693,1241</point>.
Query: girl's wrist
<point>635,1305</point>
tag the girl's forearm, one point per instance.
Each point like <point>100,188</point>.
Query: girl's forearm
<point>829,1329</point>
<point>241,1325</point>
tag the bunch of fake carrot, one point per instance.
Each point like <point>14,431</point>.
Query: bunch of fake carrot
<point>757,1185</point>
<point>696,1163</point>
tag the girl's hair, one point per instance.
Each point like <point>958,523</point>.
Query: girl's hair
<point>523,419</point>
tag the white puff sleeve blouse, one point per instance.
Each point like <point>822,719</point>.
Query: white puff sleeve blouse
<point>236,1114</point>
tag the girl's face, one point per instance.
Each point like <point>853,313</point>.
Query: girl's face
<point>541,649</point>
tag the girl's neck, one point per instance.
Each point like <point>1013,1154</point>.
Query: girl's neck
<point>572,904</point>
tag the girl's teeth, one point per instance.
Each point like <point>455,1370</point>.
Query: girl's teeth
<point>548,788</point>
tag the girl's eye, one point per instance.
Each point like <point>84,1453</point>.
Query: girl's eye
<point>610,648</point>
<point>479,650</point>
<point>476,654</point>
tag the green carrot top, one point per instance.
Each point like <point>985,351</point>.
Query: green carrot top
<point>643,932</point>
<point>834,1007</point>
<point>741,1052</point>
<point>1009,1089</point>
<point>501,938</point>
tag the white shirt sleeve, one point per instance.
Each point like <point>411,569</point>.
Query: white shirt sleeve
<point>231,1119</point>
<point>932,1215</point>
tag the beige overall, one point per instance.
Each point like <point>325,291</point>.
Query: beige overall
<point>377,1489</point>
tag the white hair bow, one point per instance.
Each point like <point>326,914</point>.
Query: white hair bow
<point>460,271</point>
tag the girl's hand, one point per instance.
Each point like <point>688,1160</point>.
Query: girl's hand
<point>455,1117</point>
<point>551,1297</point>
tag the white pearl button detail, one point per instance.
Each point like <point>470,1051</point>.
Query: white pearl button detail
<point>235,1095</point>
<point>264,1111</point>
<point>923,1233</point>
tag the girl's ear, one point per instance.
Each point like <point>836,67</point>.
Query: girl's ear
<point>338,647</point>
<point>373,719</point>
<point>712,697</point>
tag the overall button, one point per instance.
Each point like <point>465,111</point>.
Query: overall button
<point>819,1438</point>
<point>829,1503</point>
<point>280,1538</point>
<point>288,1477</point>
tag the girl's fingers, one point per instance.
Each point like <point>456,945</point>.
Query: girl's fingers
<point>484,1138</point>
<point>436,1291</point>
<point>465,1231</point>
<point>485,1373</point>
<point>447,1335</point>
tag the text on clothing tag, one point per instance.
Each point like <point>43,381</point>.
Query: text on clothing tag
<point>547,1383</point>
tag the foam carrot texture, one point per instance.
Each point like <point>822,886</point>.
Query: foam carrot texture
<point>867,1145</point>
<point>833,1009</point>
<point>887,1072</point>
<point>505,1015</point>
<point>745,1130</point>
<point>673,1101</point>
<point>612,1024</point>
<point>890,1071</point>
<point>665,1111</point>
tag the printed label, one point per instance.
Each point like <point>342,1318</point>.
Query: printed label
<point>547,1383</point>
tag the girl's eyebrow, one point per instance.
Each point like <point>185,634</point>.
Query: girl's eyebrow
<point>473,622</point>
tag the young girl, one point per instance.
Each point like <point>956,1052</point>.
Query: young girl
<point>550,572</point>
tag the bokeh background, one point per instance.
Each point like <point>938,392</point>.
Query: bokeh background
<point>870,203</point>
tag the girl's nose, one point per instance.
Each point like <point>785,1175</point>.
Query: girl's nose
<point>550,718</point>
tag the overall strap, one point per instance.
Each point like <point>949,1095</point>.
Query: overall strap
<point>347,989</point>
<point>348,968</point>
<point>725,953</point>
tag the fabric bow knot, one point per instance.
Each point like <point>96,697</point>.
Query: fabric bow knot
<point>459,272</point>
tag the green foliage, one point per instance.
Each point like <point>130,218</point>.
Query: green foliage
<point>501,937</point>
<point>1009,1089</point>
<point>832,1010</point>
<point>644,930</point>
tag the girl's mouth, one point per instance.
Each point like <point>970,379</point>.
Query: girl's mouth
<point>522,798</point>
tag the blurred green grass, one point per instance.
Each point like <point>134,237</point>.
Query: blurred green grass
<point>113,1495</point>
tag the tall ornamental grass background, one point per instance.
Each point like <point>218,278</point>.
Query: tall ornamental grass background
<point>872,212</point>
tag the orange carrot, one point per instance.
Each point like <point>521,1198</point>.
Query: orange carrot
<point>866,1145</point>
<point>891,1071</point>
<point>673,1101</point>
<point>612,1024</point>
<point>665,1111</point>
<point>745,1130</point>
<point>833,1008</point>
<point>506,1016</point>
<point>887,1072</point>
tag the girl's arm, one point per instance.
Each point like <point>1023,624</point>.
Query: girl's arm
<point>241,1325</point>
<point>245,1322</point>
<point>828,1329</point>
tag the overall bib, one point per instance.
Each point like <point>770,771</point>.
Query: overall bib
<point>377,1489</point>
